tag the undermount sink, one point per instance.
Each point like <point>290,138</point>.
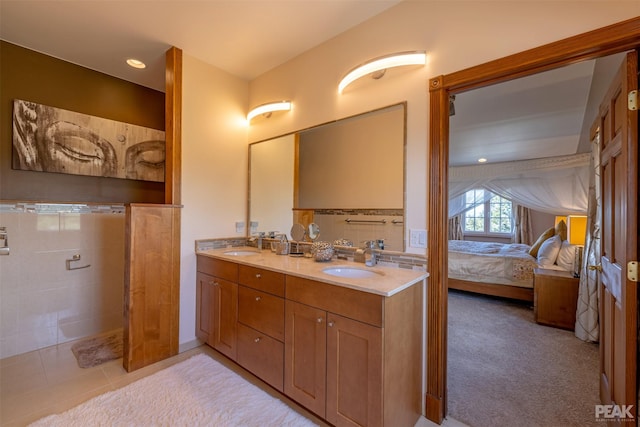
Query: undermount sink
<point>242,252</point>
<point>351,272</point>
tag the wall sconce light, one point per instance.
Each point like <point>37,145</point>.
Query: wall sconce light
<point>378,66</point>
<point>267,109</point>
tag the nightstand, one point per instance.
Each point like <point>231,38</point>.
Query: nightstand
<point>555,298</point>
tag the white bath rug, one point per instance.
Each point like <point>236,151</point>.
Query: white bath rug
<point>196,392</point>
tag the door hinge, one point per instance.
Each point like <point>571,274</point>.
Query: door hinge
<point>632,271</point>
<point>632,100</point>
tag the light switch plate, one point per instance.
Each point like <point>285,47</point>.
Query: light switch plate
<point>418,238</point>
<point>239,226</point>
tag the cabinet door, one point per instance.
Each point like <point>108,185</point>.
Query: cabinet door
<point>305,356</point>
<point>204,302</point>
<point>224,315</point>
<point>354,372</point>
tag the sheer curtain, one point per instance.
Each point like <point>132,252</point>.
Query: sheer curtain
<point>455,231</point>
<point>587,325</point>
<point>553,184</point>
<point>465,201</point>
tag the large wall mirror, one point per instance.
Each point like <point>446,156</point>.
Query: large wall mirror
<point>347,176</point>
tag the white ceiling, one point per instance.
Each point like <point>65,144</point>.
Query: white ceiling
<point>531,117</point>
<point>243,37</point>
<point>539,116</point>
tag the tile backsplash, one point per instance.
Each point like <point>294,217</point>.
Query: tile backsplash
<point>42,303</point>
<point>358,225</point>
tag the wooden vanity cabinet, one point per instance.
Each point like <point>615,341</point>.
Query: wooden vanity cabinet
<point>353,357</point>
<point>216,282</point>
<point>261,324</point>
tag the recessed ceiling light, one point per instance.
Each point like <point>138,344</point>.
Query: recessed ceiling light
<point>482,160</point>
<point>136,63</point>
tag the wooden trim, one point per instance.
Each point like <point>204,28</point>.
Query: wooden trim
<point>608,40</point>
<point>438,155</point>
<point>296,170</point>
<point>493,289</point>
<point>604,41</point>
<point>173,127</point>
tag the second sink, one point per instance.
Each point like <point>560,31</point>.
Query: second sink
<point>351,272</point>
<point>241,252</point>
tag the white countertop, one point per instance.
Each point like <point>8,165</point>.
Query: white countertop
<point>387,282</point>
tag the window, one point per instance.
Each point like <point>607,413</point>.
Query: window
<point>487,213</point>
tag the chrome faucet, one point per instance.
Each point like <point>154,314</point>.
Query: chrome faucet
<point>360,255</point>
<point>369,247</point>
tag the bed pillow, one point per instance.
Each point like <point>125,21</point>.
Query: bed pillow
<point>566,256</point>
<point>548,252</point>
<point>544,236</point>
<point>561,229</point>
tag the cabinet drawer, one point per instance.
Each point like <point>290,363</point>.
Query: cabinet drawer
<point>215,267</point>
<point>261,311</point>
<point>357,305</point>
<point>262,355</point>
<point>262,280</point>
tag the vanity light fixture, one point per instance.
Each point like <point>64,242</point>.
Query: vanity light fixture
<point>267,109</point>
<point>136,63</point>
<point>378,66</point>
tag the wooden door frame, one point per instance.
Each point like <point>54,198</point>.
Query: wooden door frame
<point>604,41</point>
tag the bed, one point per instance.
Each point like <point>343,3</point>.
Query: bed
<point>504,270</point>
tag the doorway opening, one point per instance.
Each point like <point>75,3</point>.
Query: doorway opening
<point>605,41</point>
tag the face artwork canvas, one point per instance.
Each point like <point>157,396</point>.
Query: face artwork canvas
<point>50,139</point>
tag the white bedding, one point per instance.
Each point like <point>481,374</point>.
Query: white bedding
<point>490,262</point>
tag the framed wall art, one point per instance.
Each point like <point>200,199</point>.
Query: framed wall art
<point>50,139</point>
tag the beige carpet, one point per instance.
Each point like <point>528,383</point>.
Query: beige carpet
<point>506,370</point>
<point>196,392</point>
<point>95,351</point>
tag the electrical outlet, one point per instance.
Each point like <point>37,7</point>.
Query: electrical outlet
<point>239,226</point>
<point>418,238</point>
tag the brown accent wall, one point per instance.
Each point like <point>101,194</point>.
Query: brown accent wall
<point>32,76</point>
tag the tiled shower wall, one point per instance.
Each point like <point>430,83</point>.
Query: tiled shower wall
<point>42,303</point>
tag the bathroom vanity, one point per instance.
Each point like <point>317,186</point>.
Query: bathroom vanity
<point>341,339</point>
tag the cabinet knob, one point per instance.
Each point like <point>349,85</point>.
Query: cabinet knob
<point>257,339</point>
<point>216,284</point>
<point>319,320</point>
<point>258,275</point>
<point>212,283</point>
<point>331,324</point>
<point>258,298</point>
